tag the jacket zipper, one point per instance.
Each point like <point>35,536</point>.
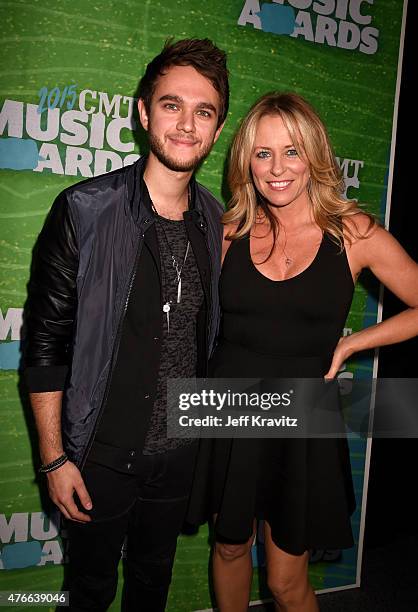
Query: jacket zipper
<point>209,308</point>
<point>115,351</point>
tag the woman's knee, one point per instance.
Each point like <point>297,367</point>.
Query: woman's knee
<point>232,552</point>
<point>288,590</point>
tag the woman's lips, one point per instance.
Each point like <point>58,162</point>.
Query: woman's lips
<point>279,185</point>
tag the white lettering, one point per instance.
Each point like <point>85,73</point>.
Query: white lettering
<point>300,4</point>
<point>355,13</point>
<point>304,28</point>
<point>51,553</point>
<point>102,159</point>
<point>130,101</point>
<point>78,160</point>
<point>11,323</point>
<point>324,7</point>
<point>34,120</point>
<point>82,101</point>
<point>342,8</point>
<point>249,14</point>
<point>109,104</point>
<point>369,38</point>
<point>337,22</point>
<point>97,131</point>
<point>326,30</point>
<point>113,135</point>
<point>130,159</point>
<point>350,179</point>
<point>49,158</point>
<point>17,525</point>
<point>12,116</point>
<point>43,527</point>
<point>348,35</point>
<point>77,132</point>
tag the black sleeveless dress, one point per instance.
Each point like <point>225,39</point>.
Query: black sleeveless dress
<point>302,487</point>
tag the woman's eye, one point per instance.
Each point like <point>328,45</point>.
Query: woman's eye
<point>291,153</point>
<point>262,154</point>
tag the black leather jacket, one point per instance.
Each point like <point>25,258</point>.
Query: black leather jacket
<point>82,272</point>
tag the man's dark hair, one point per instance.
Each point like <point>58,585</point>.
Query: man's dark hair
<point>202,55</point>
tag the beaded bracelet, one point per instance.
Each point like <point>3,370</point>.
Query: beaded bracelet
<point>54,465</point>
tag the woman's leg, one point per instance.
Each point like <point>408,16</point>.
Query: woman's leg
<point>232,574</point>
<point>288,578</point>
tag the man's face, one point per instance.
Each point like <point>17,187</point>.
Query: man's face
<point>182,123</point>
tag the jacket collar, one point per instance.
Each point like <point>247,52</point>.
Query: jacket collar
<point>140,201</point>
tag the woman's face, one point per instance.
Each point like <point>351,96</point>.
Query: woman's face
<point>279,174</point>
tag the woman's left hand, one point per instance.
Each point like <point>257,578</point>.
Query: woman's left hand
<point>343,350</point>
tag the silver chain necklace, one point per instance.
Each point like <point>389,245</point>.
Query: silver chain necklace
<point>177,267</point>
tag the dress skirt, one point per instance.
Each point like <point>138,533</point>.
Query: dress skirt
<point>302,487</point>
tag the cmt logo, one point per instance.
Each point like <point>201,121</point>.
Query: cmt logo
<point>10,325</point>
<point>350,171</point>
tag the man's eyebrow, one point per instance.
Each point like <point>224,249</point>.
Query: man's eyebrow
<point>180,100</point>
<point>208,106</point>
<point>171,97</point>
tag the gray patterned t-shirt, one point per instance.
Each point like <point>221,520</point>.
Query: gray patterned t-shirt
<point>179,345</point>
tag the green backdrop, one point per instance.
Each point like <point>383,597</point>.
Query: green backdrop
<point>68,75</point>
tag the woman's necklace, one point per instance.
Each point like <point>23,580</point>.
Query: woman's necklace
<point>287,260</point>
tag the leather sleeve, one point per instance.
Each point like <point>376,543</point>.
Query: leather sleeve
<point>50,309</point>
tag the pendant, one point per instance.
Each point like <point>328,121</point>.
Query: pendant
<point>179,291</point>
<point>166,309</point>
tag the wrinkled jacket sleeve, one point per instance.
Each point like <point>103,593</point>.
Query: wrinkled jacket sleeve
<point>50,309</point>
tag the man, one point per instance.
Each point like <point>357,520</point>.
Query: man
<point>122,296</point>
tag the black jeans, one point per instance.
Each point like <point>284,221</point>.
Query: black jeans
<point>149,508</point>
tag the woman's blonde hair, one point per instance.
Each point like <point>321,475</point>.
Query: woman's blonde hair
<point>311,141</point>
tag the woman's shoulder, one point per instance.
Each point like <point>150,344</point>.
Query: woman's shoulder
<point>359,226</point>
<point>369,244</point>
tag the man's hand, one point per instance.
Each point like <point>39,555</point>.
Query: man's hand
<point>65,480</point>
<point>62,484</point>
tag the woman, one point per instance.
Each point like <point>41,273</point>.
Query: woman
<point>293,249</point>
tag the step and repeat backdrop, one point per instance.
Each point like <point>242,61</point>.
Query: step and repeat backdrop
<point>68,78</point>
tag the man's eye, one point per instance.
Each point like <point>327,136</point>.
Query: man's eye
<point>204,113</point>
<point>262,154</point>
<point>171,106</point>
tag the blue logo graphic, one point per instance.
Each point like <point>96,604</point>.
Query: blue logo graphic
<point>22,554</point>
<point>277,19</point>
<point>18,154</point>
<point>9,355</point>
